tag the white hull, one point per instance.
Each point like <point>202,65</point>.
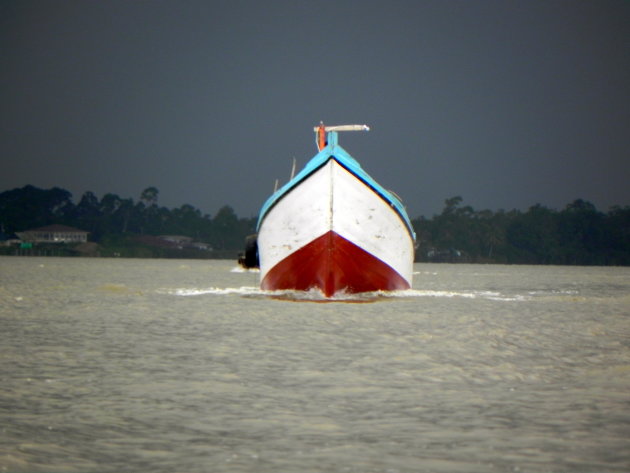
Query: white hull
<point>332,199</point>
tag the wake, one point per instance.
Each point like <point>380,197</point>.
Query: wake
<point>315,295</point>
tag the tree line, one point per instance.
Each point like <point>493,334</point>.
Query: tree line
<point>578,234</point>
<point>112,216</point>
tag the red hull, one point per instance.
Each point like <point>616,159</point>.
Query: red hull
<point>332,264</point>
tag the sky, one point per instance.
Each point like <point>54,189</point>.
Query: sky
<point>505,103</point>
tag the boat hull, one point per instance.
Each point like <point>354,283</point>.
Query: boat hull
<point>333,264</point>
<point>333,232</point>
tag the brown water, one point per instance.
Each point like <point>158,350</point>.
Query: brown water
<point>185,366</point>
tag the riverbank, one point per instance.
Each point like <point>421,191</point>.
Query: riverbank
<point>123,248</point>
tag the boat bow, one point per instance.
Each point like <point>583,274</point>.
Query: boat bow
<point>333,227</point>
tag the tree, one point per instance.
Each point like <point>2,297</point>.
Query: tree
<point>187,220</point>
<point>491,233</point>
<point>226,229</point>
<point>580,228</point>
<point>149,196</point>
<point>31,207</point>
<point>124,215</point>
<point>617,235</point>
<point>87,214</point>
<point>533,236</point>
<point>109,204</point>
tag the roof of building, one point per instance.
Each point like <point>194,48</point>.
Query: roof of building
<point>57,228</point>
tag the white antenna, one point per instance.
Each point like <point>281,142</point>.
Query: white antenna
<point>344,128</point>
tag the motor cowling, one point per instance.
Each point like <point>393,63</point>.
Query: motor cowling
<point>249,259</point>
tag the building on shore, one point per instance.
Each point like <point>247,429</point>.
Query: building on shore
<point>53,234</point>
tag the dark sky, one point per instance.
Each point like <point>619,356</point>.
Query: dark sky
<point>506,103</point>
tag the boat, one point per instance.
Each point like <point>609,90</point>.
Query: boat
<point>333,228</point>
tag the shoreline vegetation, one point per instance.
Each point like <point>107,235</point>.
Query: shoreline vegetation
<point>579,234</point>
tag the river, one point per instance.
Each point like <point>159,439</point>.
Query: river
<point>121,365</point>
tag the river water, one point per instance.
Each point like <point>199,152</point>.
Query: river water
<point>120,365</point>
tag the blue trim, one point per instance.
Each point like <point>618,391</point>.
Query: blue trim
<point>334,151</point>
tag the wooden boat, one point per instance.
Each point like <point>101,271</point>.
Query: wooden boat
<point>334,228</point>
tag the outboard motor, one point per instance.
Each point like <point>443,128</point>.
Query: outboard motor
<point>249,259</point>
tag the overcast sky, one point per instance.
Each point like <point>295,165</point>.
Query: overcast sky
<point>506,103</point>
